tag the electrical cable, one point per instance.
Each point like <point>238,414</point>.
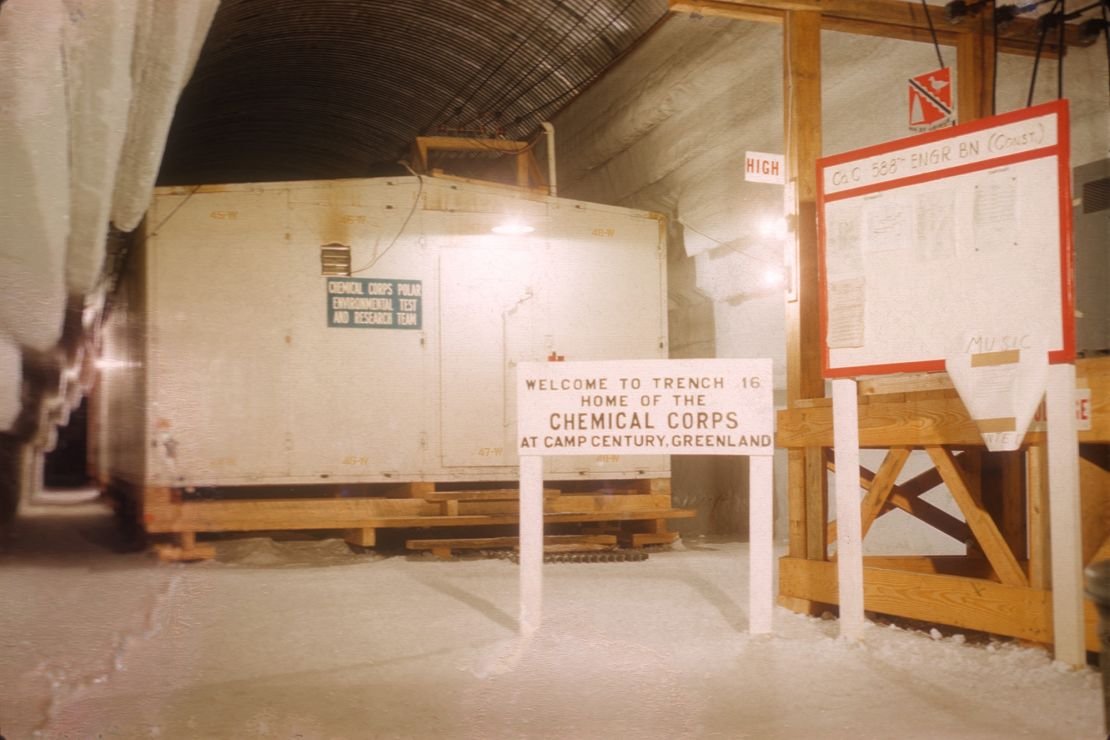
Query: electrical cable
<point>1106,35</point>
<point>1060,51</point>
<point>933,31</point>
<point>1037,55</point>
<point>172,213</point>
<point>404,224</point>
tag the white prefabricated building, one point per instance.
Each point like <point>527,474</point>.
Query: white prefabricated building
<point>232,359</point>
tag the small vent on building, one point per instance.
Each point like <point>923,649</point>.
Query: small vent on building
<point>1096,195</point>
<point>335,260</point>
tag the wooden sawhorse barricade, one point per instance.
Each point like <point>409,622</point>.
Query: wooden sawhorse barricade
<point>1002,585</point>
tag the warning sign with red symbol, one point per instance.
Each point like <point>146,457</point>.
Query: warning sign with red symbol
<point>931,100</point>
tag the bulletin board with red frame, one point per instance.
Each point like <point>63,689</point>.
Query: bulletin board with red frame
<point>953,236</point>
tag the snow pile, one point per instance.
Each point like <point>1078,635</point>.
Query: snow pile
<point>264,552</point>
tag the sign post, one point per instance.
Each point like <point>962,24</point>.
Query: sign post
<point>637,407</point>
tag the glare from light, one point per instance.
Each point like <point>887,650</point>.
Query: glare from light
<point>513,228</point>
<point>773,277</point>
<point>106,363</point>
<point>773,227</point>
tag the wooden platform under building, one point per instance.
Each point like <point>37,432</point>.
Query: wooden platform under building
<point>638,508</point>
<point>1003,584</point>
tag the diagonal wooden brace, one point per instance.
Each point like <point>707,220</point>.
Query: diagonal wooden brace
<point>986,532</point>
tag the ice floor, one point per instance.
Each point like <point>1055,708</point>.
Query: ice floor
<point>303,640</point>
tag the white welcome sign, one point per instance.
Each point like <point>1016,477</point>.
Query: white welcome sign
<point>646,407</point>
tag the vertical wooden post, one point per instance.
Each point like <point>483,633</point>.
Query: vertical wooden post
<point>1036,487</point>
<point>796,501</point>
<point>802,111</point>
<point>975,69</point>
<point>802,104</point>
<point>522,169</point>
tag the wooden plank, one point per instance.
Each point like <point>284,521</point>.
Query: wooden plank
<point>1036,491</point>
<point>885,18</point>
<point>934,516</point>
<point>496,494</point>
<point>522,168</point>
<point>413,489</point>
<point>968,603</point>
<point>905,496</point>
<point>1004,477</point>
<point>1102,552</point>
<point>462,144</point>
<point>796,493</point>
<point>802,105</point>
<point>496,543</point>
<point>1094,492</point>
<point>573,502</point>
<point>878,493</point>
<point>177,554</point>
<point>904,383</point>
<point>343,513</point>
<point>975,68</point>
<point>250,516</point>
<point>817,504</point>
<point>361,537</point>
<point>640,539</point>
<point>971,463</point>
<point>952,565</point>
<point>924,420</point>
<point>982,526</point>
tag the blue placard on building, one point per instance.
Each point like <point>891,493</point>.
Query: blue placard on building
<point>375,303</point>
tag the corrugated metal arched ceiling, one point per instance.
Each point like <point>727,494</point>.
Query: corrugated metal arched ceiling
<point>313,89</point>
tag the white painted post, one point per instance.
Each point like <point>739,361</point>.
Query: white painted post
<point>531,543</point>
<point>761,557</point>
<point>849,547</point>
<point>1065,531</point>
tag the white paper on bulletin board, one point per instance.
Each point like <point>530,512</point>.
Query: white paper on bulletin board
<point>926,237</point>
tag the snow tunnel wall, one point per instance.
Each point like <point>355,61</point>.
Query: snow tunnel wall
<point>667,130</point>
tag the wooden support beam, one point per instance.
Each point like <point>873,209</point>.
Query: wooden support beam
<point>464,144</point>
<point>968,603</point>
<point>796,493</point>
<point>522,169</point>
<point>950,565</point>
<point>921,419</point>
<point>1094,496</point>
<point>1036,489</point>
<point>907,497</point>
<point>356,513</point>
<point>363,537</point>
<point>896,19</point>
<point>975,69</point>
<point>816,504</point>
<point>986,531</point>
<point>1004,494</point>
<point>494,543</point>
<point>874,501</point>
<point>488,494</point>
<point>802,104</point>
